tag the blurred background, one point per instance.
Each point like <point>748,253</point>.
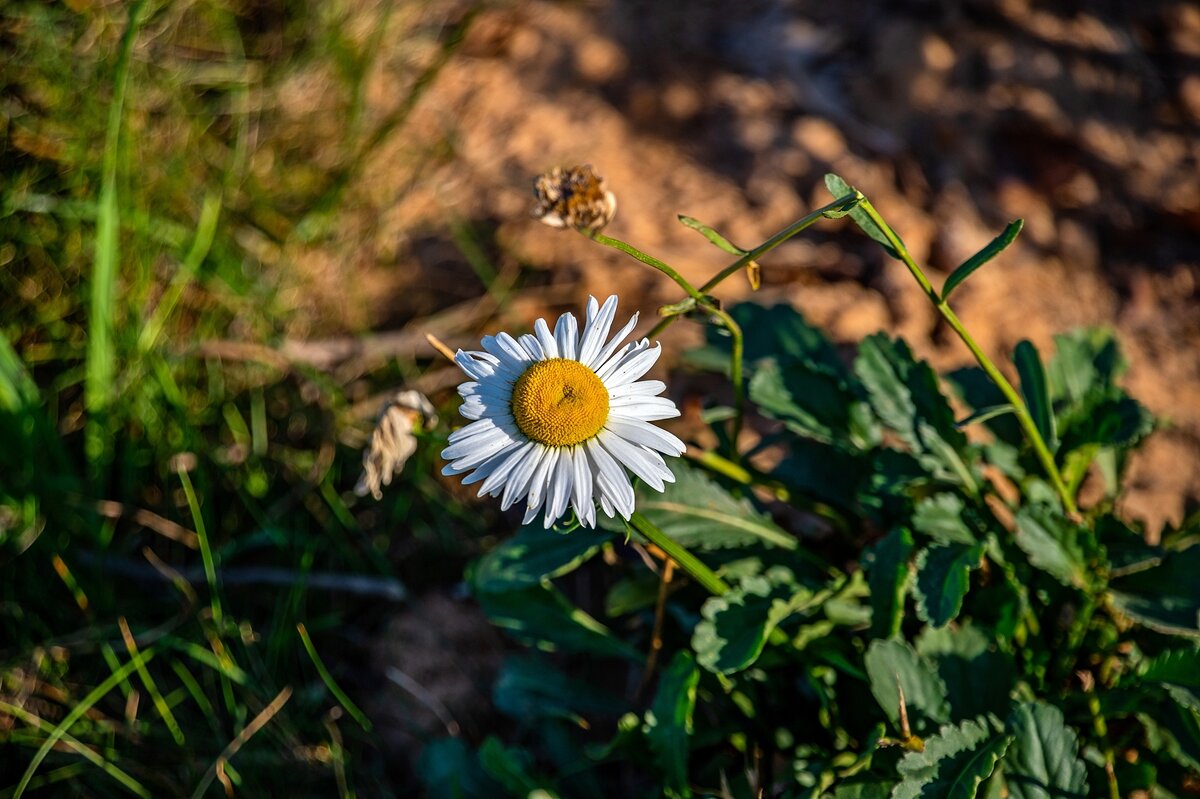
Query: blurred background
<point>227,227</point>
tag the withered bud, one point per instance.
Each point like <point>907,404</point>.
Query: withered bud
<point>573,198</point>
<point>392,442</point>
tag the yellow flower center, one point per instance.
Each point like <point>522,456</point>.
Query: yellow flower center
<point>559,402</point>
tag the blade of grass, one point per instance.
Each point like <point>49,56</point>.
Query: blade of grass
<point>164,710</point>
<point>331,683</point>
<point>206,554</point>
<point>245,735</point>
<point>77,746</point>
<point>96,694</point>
<point>49,778</point>
<point>101,359</point>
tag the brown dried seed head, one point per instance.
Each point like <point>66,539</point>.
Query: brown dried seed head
<point>573,198</point>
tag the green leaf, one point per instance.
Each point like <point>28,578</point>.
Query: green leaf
<point>712,235</point>
<point>735,626</point>
<point>886,564</point>
<point>529,687</point>
<point>510,766</point>
<point>1178,670</point>
<point>941,518</point>
<point>811,399</point>
<point>669,723</point>
<point>1043,762</point>
<point>905,395</point>
<point>892,665</point>
<point>542,616</point>
<point>840,188</point>
<point>17,389</point>
<point>700,514</point>
<point>1035,392</point>
<point>954,763</point>
<point>943,577</point>
<point>635,592</point>
<point>1165,598</point>
<point>1052,543</point>
<point>978,677</point>
<point>448,768</point>
<point>855,788</point>
<point>535,554</point>
<point>826,472</point>
<point>1172,728</point>
<point>994,248</point>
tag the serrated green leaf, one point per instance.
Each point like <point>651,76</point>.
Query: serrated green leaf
<point>1165,598</point>
<point>1172,728</point>
<point>886,564</point>
<point>993,248</point>
<point>941,518</point>
<point>535,554</point>
<point>954,763</point>
<point>892,665</point>
<point>1035,391</point>
<point>810,399</point>
<point>840,188</point>
<point>530,687</point>
<point>541,615</point>
<point>1178,670</point>
<point>735,626</point>
<point>978,676</point>
<point>1052,543</point>
<point>1043,762</point>
<point>700,514</point>
<point>943,577</point>
<point>713,236</point>
<point>905,395</point>
<point>669,723</point>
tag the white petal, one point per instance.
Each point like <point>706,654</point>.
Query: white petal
<point>612,363</point>
<point>612,345</point>
<point>566,333</point>
<point>581,498</point>
<point>612,484</point>
<point>485,469</point>
<point>595,333</point>
<point>560,487</point>
<point>636,459</point>
<point>545,338</point>
<point>510,355</point>
<point>474,364</point>
<point>497,478</point>
<point>474,450</point>
<point>647,409</point>
<point>633,367</point>
<point>540,482</point>
<point>642,388</point>
<point>518,482</point>
<point>530,345</point>
<point>647,435</point>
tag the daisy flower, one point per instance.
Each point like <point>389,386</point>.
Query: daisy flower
<point>557,418</point>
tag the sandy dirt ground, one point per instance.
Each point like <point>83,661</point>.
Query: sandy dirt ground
<point>953,118</point>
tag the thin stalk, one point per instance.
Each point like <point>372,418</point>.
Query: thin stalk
<point>1011,394</point>
<point>762,249</point>
<point>735,372</point>
<point>686,560</point>
<point>650,260</point>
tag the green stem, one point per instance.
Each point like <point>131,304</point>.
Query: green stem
<point>1024,418</point>
<point>1100,725</point>
<point>735,330</point>
<point>686,560</point>
<point>650,260</point>
<point>735,372</point>
<point>762,249</point>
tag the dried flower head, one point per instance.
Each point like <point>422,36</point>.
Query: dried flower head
<point>575,198</point>
<point>393,443</point>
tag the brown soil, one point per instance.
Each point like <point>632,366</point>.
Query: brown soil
<point>953,118</point>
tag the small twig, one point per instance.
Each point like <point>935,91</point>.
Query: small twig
<point>111,509</point>
<point>440,346</point>
<point>656,641</point>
